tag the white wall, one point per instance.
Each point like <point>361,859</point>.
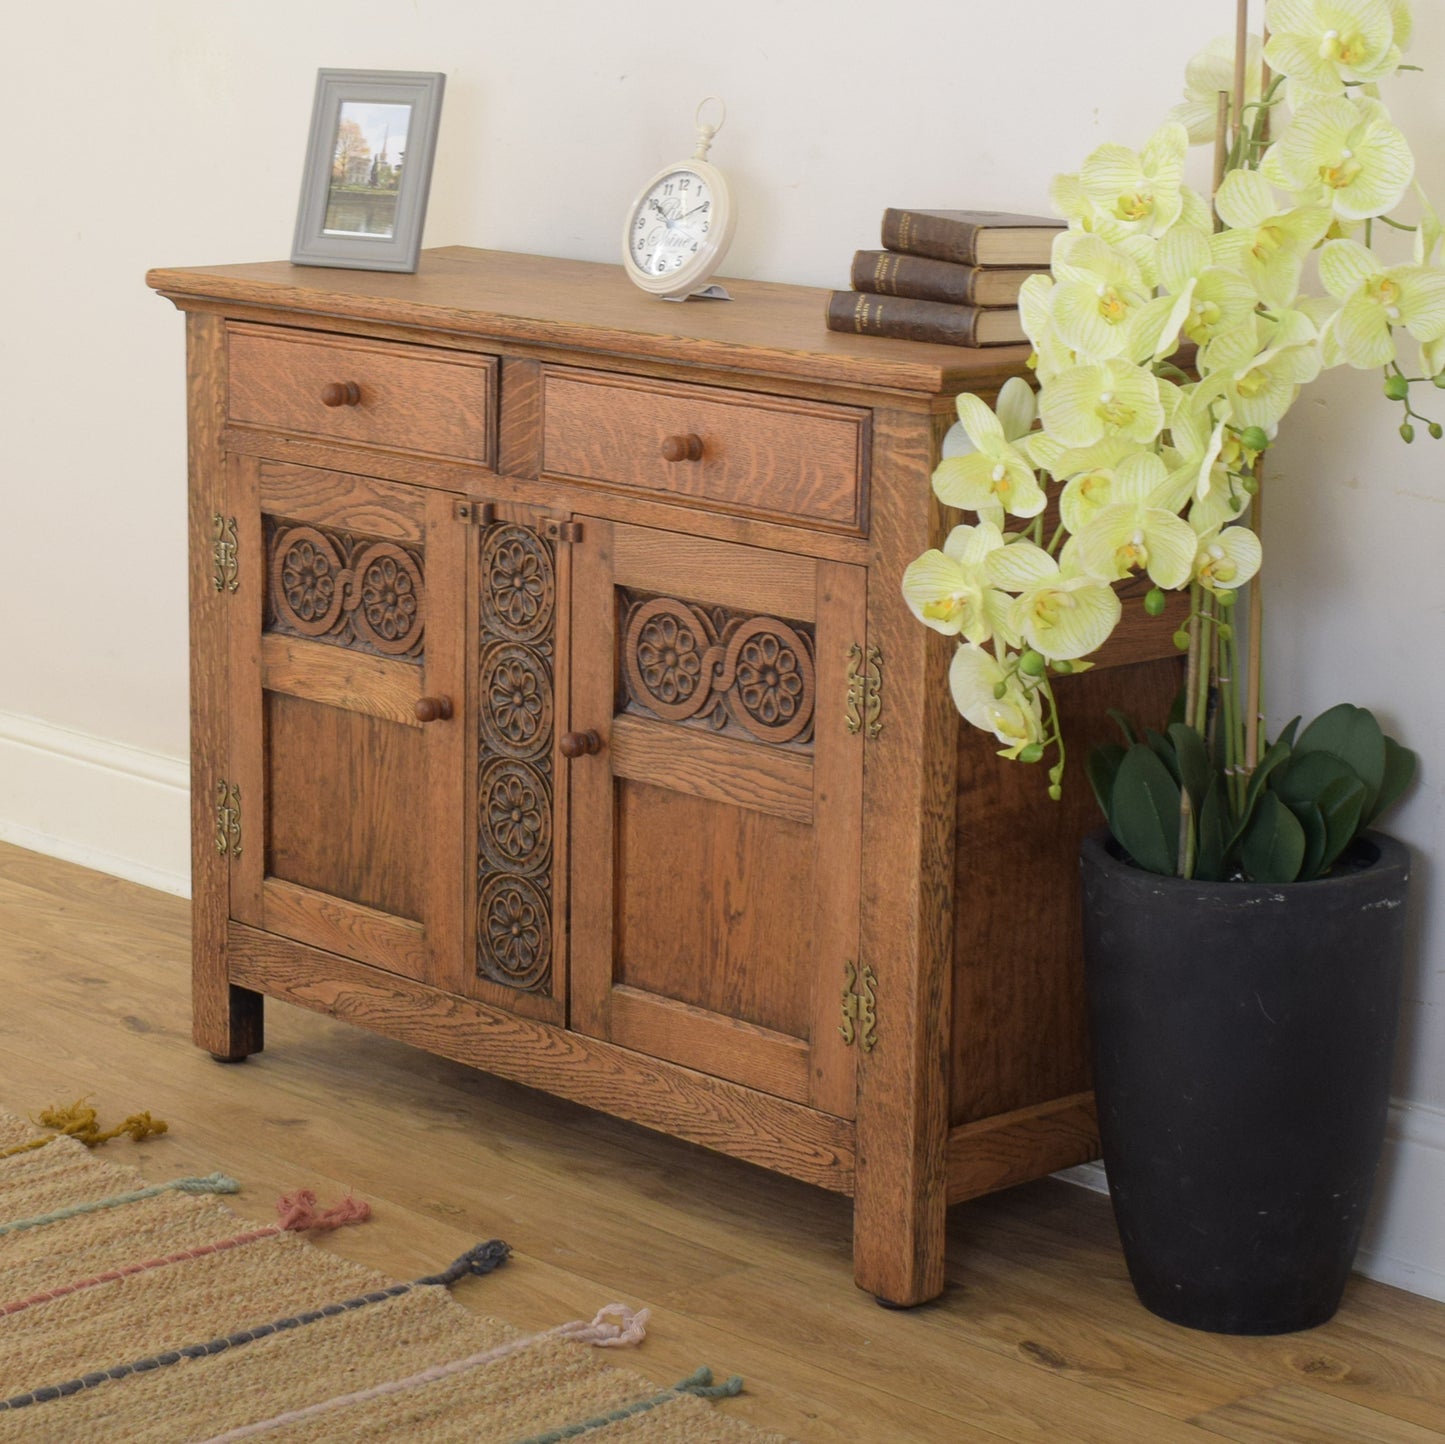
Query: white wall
<point>171,132</point>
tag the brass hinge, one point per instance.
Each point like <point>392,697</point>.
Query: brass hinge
<point>560,531</point>
<point>475,513</point>
<point>228,818</point>
<point>225,553</point>
<point>865,690</point>
<point>860,1019</point>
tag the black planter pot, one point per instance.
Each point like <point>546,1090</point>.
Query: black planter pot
<point>1243,1038</point>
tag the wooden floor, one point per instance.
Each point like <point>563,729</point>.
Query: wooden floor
<point>1037,1338</point>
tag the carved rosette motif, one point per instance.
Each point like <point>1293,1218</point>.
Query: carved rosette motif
<point>515,779</point>
<point>734,672</point>
<point>349,591</point>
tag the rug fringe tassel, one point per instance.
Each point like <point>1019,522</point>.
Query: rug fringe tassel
<point>81,1122</point>
<point>480,1259</point>
<point>298,1212</point>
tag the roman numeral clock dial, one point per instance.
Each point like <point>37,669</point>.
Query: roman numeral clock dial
<point>679,226</point>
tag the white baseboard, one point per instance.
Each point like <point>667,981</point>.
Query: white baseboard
<point>1404,1243</point>
<point>118,809</point>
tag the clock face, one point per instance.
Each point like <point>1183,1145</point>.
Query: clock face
<point>671,223</point>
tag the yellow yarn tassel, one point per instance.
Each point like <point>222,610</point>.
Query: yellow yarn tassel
<point>81,1122</point>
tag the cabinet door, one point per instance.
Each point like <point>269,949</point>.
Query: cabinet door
<point>347,630</point>
<point>715,834</point>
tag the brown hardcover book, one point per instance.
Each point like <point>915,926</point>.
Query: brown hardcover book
<point>912,320</point>
<point>976,238</point>
<point>892,273</point>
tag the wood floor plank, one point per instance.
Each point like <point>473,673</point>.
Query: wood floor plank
<point>1301,1416</point>
<point>1037,1337</point>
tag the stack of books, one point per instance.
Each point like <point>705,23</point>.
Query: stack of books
<point>950,276</point>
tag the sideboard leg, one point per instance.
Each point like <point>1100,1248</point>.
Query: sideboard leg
<point>232,1027</point>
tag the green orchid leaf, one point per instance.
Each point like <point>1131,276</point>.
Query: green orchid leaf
<point>1195,772</point>
<point>1144,817</point>
<point>1306,775</point>
<point>1274,843</point>
<point>1351,734</point>
<point>1400,765</point>
<point>1342,805</point>
<point>1288,734</point>
<point>1312,823</point>
<point>1276,756</point>
<point>1163,749</point>
<point>1210,862</point>
<point>1102,768</point>
<point>1124,725</point>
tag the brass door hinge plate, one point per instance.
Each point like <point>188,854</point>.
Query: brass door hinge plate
<point>860,997</point>
<point>225,554</point>
<point>865,690</point>
<point>228,818</point>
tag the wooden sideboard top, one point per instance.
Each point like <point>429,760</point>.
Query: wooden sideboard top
<point>583,305</point>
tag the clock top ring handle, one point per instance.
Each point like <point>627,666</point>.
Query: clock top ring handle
<point>705,132</point>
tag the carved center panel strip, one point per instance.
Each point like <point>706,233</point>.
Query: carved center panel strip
<point>730,671</point>
<point>515,781</point>
<point>350,591</point>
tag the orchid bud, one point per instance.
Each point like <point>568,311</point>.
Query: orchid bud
<point>1064,669</point>
<point>1254,438</point>
<point>1055,792</point>
<point>1000,691</point>
<point>1407,432</point>
<point>1396,387</point>
<point>1225,599</point>
<point>1032,664</point>
<point>1436,430</point>
<point>1181,639</point>
<point>1155,602</point>
<point>1032,753</point>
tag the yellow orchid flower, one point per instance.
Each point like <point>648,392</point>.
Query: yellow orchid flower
<point>994,480</point>
<point>1324,45</point>
<point>1265,245</point>
<point>1137,533</point>
<point>1261,390</point>
<point>948,590</point>
<point>1087,403</point>
<point>1227,558</point>
<point>1131,192</point>
<point>1061,612</point>
<point>1097,292</point>
<point>1345,154</point>
<point>995,700</point>
<point>1209,72</point>
<point>1377,299</point>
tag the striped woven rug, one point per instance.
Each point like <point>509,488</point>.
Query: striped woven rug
<point>150,1314</point>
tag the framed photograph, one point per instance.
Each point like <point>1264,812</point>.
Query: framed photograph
<point>368,169</point>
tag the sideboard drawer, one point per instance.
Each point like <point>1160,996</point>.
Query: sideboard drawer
<point>411,398</point>
<point>770,456</point>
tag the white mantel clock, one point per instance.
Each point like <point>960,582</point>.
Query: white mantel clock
<point>681,222</point>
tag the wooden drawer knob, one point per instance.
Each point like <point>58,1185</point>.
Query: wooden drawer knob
<point>433,709</point>
<point>340,393</point>
<point>682,448</point>
<point>580,744</point>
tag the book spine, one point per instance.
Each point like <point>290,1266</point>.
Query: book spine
<point>867,314</point>
<point>891,273</point>
<point>919,235</point>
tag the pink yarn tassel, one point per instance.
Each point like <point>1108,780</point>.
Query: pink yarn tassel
<point>298,1212</point>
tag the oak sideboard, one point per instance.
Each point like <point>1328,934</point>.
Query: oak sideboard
<point>555,709</point>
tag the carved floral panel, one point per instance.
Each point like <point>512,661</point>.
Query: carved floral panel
<point>516,691</point>
<point>733,672</point>
<point>350,591</point>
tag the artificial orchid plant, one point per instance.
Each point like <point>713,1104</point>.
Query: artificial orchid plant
<point>1170,339</point>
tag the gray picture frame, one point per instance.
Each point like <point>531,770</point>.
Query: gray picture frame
<point>369,214</point>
